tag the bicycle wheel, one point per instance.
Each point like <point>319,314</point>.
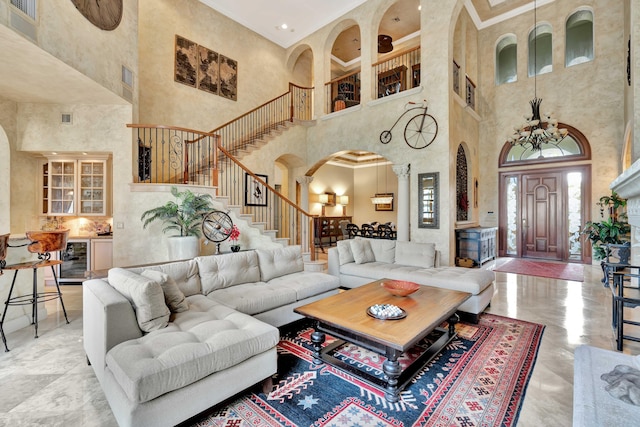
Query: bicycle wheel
<point>421,131</point>
<point>385,136</point>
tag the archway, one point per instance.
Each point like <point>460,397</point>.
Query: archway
<point>544,208</point>
<point>5,180</point>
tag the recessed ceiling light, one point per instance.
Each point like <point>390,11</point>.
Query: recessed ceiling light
<point>284,26</point>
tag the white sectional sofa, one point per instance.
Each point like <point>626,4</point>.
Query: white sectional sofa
<point>169,341</point>
<point>361,260</point>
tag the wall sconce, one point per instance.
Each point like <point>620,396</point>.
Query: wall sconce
<point>327,199</point>
<point>324,200</point>
<point>344,201</point>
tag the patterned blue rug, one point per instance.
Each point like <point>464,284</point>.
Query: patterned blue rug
<point>478,380</point>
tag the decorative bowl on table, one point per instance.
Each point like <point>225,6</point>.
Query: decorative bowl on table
<point>400,288</point>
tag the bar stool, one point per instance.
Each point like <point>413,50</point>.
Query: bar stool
<point>4,242</point>
<point>42,243</point>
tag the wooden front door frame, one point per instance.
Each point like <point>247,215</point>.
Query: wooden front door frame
<point>585,169</point>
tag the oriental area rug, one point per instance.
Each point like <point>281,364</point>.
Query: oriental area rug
<point>551,270</point>
<point>480,379</point>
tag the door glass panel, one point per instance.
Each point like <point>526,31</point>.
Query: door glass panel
<point>512,215</point>
<point>574,190</point>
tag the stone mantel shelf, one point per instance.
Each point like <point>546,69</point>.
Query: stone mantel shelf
<point>627,185</point>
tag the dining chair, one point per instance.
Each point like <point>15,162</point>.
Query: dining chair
<point>353,231</point>
<point>367,230</point>
<point>386,232</point>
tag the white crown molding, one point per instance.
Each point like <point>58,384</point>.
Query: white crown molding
<point>480,25</point>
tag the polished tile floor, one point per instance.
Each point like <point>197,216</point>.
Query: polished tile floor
<point>46,381</point>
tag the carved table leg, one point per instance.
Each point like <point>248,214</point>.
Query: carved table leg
<point>317,338</point>
<point>452,323</point>
<point>392,370</point>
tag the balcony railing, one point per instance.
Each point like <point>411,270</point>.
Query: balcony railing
<point>396,74</point>
<point>456,77</point>
<point>343,92</point>
<point>471,93</point>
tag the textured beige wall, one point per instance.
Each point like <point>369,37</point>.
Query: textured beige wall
<point>98,54</point>
<point>587,96</point>
<point>262,73</point>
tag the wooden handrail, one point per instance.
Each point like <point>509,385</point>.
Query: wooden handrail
<point>395,56</point>
<point>259,106</point>
<point>257,178</point>
<point>343,77</point>
<point>199,132</point>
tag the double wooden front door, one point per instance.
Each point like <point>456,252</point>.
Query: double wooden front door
<point>542,211</point>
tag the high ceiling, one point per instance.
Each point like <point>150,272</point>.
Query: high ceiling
<point>36,76</point>
<point>303,17</point>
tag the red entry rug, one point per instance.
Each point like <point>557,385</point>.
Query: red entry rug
<point>480,379</point>
<point>552,270</point>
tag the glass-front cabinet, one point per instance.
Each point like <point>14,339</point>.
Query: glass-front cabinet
<point>92,189</point>
<point>75,187</point>
<point>62,185</point>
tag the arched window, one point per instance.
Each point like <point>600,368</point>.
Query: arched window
<point>506,62</point>
<point>579,33</point>
<point>573,147</point>
<point>540,50</point>
<point>462,178</point>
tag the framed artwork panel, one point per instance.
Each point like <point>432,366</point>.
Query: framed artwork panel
<point>208,70</point>
<point>186,65</point>
<point>255,192</point>
<point>228,78</point>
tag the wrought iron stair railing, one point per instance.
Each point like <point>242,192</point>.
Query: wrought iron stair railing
<point>167,154</point>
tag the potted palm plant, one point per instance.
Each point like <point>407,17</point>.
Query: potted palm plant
<point>183,216</point>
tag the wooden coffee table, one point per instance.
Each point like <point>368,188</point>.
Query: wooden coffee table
<point>344,316</point>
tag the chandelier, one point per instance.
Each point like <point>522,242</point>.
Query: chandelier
<point>537,129</point>
<point>381,198</point>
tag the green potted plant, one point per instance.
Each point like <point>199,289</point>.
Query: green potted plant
<point>613,230</point>
<point>183,216</point>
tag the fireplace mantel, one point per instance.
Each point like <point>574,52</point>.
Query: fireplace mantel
<point>627,185</point>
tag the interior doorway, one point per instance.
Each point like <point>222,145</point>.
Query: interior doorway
<point>542,212</point>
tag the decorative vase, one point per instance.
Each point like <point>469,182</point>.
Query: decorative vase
<point>183,247</point>
<point>235,248</point>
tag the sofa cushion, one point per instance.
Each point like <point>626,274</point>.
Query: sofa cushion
<point>145,295</point>
<point>173,296</point>
<point>361,249</point>
<point>279,262</point>
<point>207,338</point>
<point>384,250</point>
<point>345,255</point>
<point>184,273</point>
<point>307,284</point>
<point>254,298</point>
<point>472,280</point>
<point>222,271</point>
<point>416,254</point>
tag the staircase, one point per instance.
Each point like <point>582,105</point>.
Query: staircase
<point>174,155</point>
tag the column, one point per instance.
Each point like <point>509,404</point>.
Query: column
<point>402,227</point>
<point>304,182</point>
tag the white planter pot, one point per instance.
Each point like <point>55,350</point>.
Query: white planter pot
<point>183,247</point>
